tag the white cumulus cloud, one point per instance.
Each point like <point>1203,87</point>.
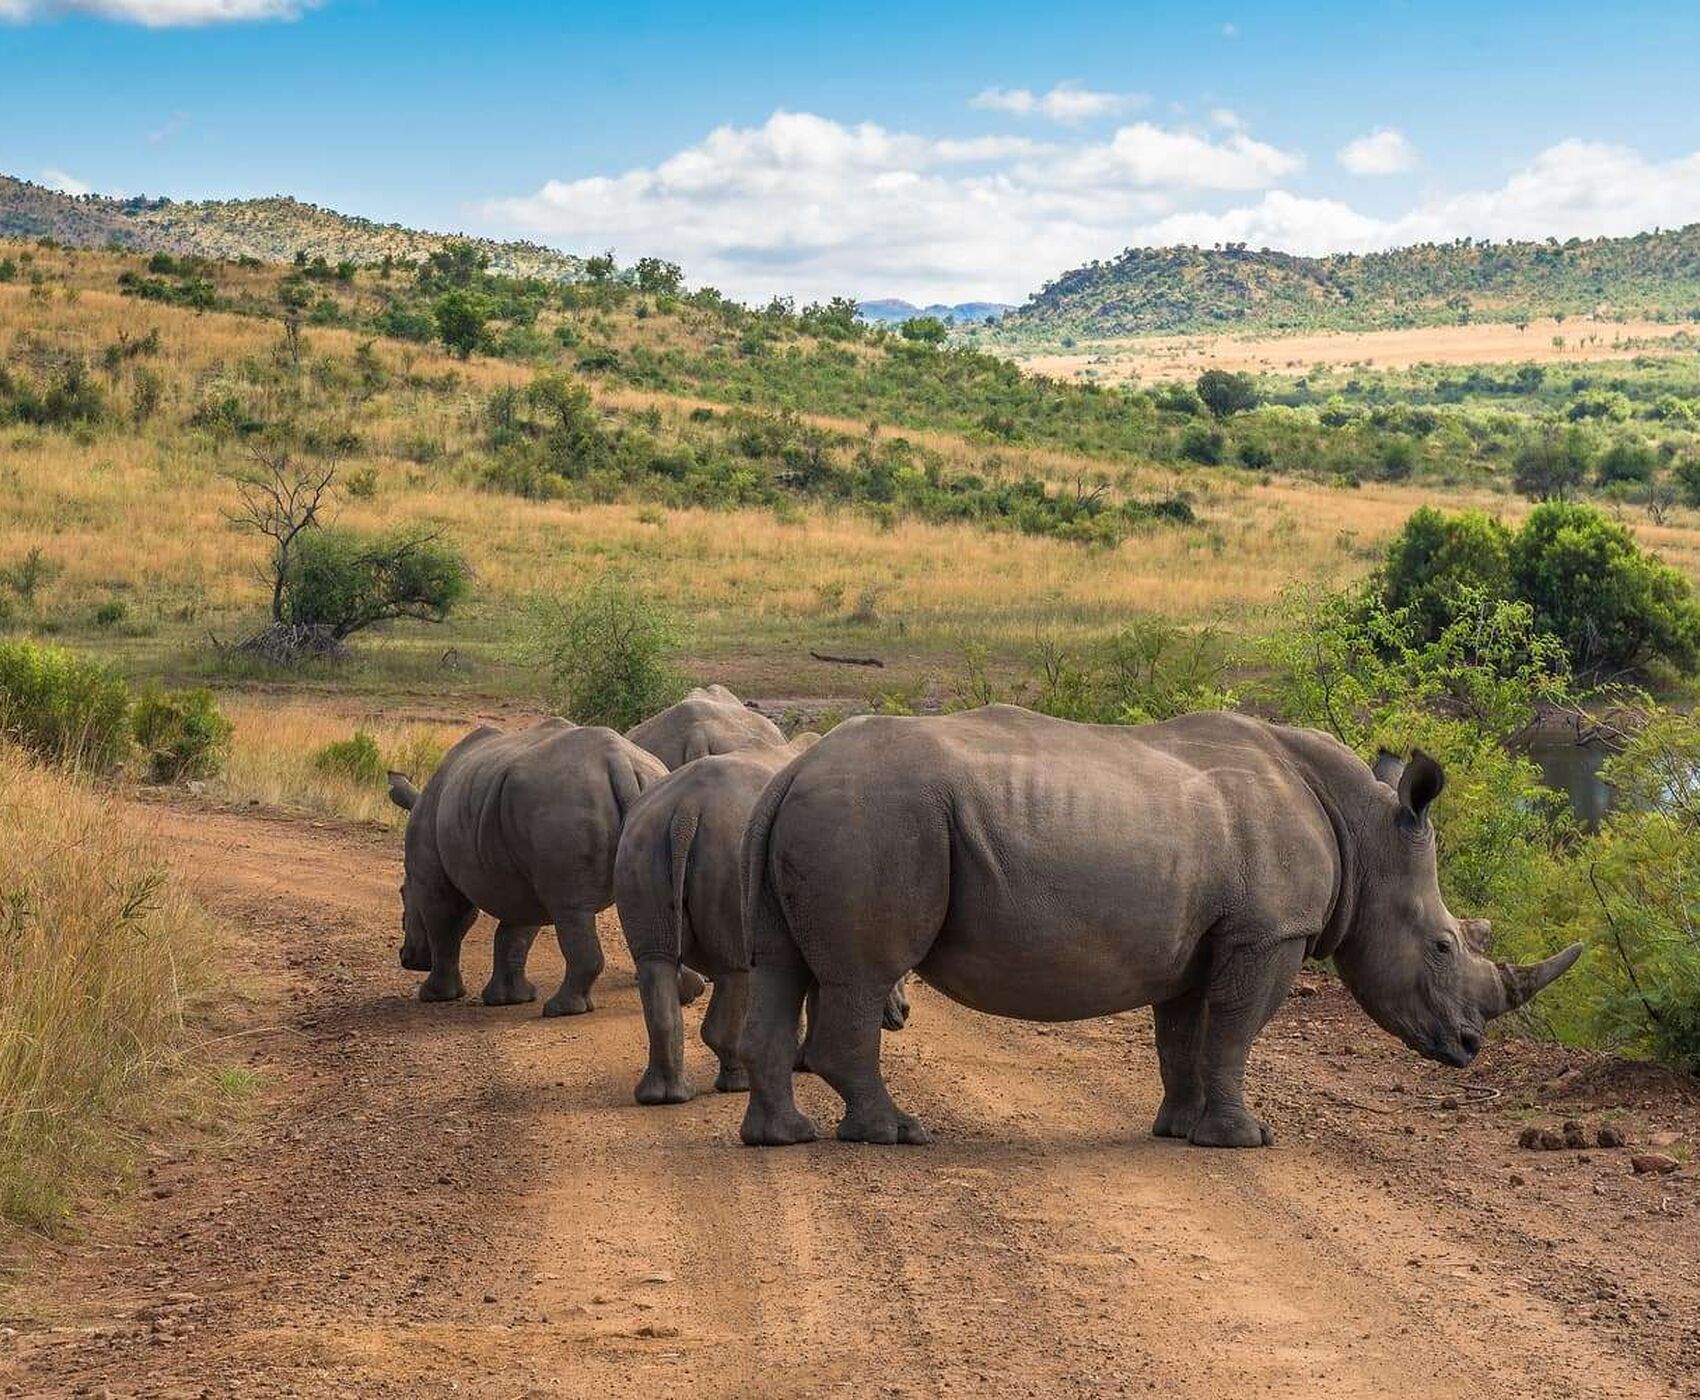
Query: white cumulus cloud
<point>811,207</point>
<point>1066,102</point>
<point>157,14</point>
<point>1383,151</point>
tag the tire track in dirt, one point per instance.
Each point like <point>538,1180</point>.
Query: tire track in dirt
<point>462,1200</point>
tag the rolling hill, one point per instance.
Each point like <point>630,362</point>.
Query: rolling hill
<point>893,311</point>
<point>1186,290</point>
<point>273,230</point>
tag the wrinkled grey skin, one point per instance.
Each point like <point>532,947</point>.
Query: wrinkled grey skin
<point>678,889</point>
<point>1034,868</point>
<point>709,720</point>
<point>523,826</point>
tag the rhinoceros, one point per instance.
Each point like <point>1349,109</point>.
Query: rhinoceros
<point>709,720</point>
<point>523,826</point>
<point>679,893</point>
<point>1035,868</point>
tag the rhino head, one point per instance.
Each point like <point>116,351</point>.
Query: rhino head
<point>415,949</point>
<point>1420,972</point>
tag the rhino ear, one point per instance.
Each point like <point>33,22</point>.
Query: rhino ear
<point>1388,767</point>
<point>1419,784</point>
<point>1478,933</point>
<point>402,791</point>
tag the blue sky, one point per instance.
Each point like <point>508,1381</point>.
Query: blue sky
<point>922,150</point>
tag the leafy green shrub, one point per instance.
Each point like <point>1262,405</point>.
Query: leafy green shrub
<point>358,759</point>
<point>342,581</point>
<point>182,733</point>
<point>1626,461</point>
<point>1436,559</point>
<point>607,653</point>
<point>1614,607</point>
<point>66,708</point>
<point>111,613</point>
<point>1225,393</point>
<point>1204,445</point>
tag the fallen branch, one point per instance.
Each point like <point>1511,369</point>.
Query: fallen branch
<point>849,660</point>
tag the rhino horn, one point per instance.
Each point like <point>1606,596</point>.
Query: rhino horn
<point>402,791</point>
<point>1523,982</point>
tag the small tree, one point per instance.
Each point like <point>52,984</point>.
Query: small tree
<point>281,499</point>
<point>460,317</point>
<point>1552,468</point>
<point>607,652</point>
<point>1225,393</point>
<point>656,276</point>
<point>340,582</point>
<point>928,330</point>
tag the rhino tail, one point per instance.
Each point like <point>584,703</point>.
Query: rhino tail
<point>680,837</point>
<point>765,926</point>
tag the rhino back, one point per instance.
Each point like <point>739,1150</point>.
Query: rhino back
<point>530,821</point>
<point>704,724</point>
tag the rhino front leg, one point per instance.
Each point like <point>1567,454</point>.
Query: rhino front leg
<point>1180,1048</point>
<point>508,985</point>
<point>445,931</point>
<point>575,931</point>
<point>665,1080</point>
<point>723,1026</point>
<point>1246,987</point>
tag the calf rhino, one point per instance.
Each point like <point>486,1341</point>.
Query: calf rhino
<point>1030,867</point>
<point>525,827</point>
<point>709,720</point>
<point>677,887</point>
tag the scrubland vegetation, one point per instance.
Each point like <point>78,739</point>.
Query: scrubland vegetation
<point>276,530</point>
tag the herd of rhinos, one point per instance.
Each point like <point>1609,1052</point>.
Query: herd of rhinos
<point>1022,865</point>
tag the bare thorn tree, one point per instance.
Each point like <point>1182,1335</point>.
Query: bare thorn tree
<point>280,498</point>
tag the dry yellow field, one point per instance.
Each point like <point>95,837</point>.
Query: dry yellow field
<point>1151,359</point>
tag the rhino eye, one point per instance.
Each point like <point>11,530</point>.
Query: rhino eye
<point>1443,945</point>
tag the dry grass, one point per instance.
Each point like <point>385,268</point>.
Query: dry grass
<point>274,745</point>
<point>100,948</point>
<point>1156,358</point>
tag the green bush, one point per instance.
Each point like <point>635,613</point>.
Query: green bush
<point>1225,393</point>
<point>608,653</point>
<point>358,759</point>
<point>1614,607</point>
<point>342,581</point>
<point>1628,461</point>
<point>182,733</point>
<point>66,708</point>
<point>1436,558</point>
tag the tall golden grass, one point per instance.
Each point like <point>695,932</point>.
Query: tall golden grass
<point>100,952</point>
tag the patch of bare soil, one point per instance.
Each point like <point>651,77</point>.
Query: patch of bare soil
<point>461,1200</point>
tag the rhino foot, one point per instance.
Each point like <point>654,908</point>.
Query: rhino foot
<point>567,1004</point>
<point>508,993</point>
<point>775,1128</point>
<point>731,1080</point>
<point>886,1129</point>
<point>444,989</point>
<point>1230,1127</point>
<point>1176,1120</point>
<point>657,1087</point>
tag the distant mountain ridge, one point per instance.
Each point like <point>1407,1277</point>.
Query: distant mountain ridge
<point>892,309</point>
<point>274,230</point>
<point>1184,290</point>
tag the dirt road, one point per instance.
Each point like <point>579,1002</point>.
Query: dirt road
<point>460,1200</point>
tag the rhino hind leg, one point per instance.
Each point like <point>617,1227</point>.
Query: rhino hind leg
<point>1246,988</point>
<point>664,1080</point>
<point>1180,1046</point>
<point>575,931</point>
<point>723,1025</point>
<point>508,985</point>
<point>845,1051</point>
<point>768,1049</point>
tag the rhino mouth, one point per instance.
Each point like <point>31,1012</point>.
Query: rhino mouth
<point>1455,1048</point>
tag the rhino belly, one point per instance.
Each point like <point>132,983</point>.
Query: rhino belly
<point>1040,970</point>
